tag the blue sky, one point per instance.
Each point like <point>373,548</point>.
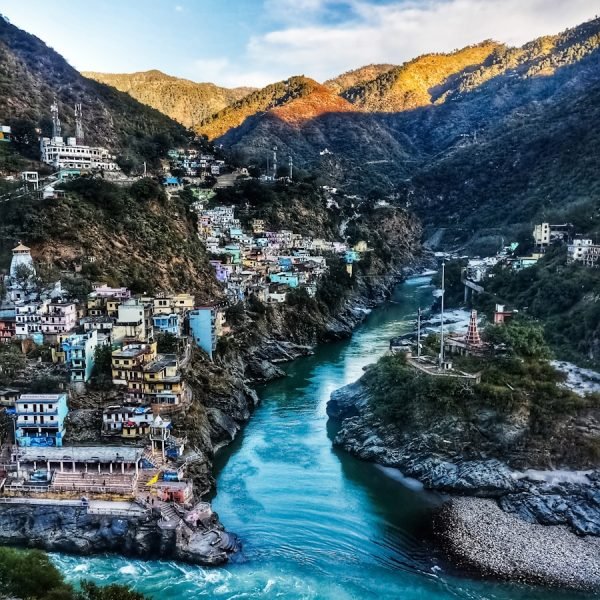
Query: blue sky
<point>255,42</point>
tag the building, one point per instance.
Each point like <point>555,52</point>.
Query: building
<point>127,366</point>
<point>163,385</point>
<point>258,226</point>
<point>165,323</point>
<point>134,321</point>
<point>545,234</point>
<point>467,344</point>
<point>20,284</point>
<point>61,153</point>
<point>585,252</point>
<point>541,234</point>
<point>79,351</point>
<point>40,419</point>
<point>29,320</point>
<point>206,325</point>
<point>8,324</point>
<point>59,317</point>
<point>501,315</point>
<point>171,304</point>
<point>127,421</point>
<point>5,133</point>
<point>8,397</point>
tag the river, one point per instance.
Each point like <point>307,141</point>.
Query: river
<point>315,522</point>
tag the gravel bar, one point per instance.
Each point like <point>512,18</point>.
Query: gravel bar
<point>480,537</point>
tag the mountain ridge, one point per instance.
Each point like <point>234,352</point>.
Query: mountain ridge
<point>187,102</point>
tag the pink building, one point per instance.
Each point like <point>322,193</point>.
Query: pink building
<point>60,317</point>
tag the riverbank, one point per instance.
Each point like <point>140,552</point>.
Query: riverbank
<point>455,442</point>
<point>482,538</point>
<point>123,527</point>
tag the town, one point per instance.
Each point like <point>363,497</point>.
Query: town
<point>148,340</point>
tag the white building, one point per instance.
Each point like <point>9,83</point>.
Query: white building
<point>62,154</point>
<point>584,251</point>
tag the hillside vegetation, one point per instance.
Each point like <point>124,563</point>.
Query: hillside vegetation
<point>33,75</point>
<point>185,101</point>
<point>134,236</point>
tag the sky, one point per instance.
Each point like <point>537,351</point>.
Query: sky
<point>256,42</point>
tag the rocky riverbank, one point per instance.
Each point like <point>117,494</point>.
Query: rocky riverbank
<point>64,526</point>
<point>484,539</point>
<point>460,456</point>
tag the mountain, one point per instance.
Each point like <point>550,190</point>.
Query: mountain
<point>294,100</point>
<point>457,136</point>
<point>185,101</point>
<point>417,82</point>
<point>33,75</point>
<point>356,77</point>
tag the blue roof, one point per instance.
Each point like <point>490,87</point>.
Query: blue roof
<point>171,180</point>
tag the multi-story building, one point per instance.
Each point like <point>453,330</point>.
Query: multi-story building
<point>167,323</point>
<point>79,351</point>
<point>127,421</point>
<point>163,385</point>
<point>206,325</point>
<point>134,321</point>
<point>8,324</point>
<point>127,367</point>
<point>68,154</point>
<point>28,319</point>
<point>171,304</point>
<point>41,419</point>
<point>585,252</point>
<point>59,317</point>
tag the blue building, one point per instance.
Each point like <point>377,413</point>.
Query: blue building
<point>167,324</point>
<point>351,256</point>
<point>41,419</point>
<point>205,326</point>
<point>80,352</point>
<point>285,262</point>
<point>285,278</point>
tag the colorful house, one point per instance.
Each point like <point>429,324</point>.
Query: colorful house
<point>79,350</point>
<point>167,323</point>
<point>290,279</point>
<point>206,323</point>
<point>41,419</point>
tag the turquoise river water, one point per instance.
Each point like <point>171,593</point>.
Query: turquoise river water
<point>315,522</point>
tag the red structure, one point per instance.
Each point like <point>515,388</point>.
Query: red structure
<point>8,327</point>
<point>472,338</point>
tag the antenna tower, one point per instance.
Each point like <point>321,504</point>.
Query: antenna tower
<point>56,129</point>
<point>79,123</point>
<point>274,162</point>
<point>291,163</point>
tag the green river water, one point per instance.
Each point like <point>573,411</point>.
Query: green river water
<point>315,523</point>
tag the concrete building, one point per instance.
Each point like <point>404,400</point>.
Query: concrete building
<point>20,283</point>
<point>206,324</point>
<point>79,350</point>
<point>585,252</point>
<point>8,324</point>
<point>134,321</point>
<point>61,153</point>
<point>59,317</point>
<point>40,419</point>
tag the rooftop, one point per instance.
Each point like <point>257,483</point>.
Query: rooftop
<point>93,454</point>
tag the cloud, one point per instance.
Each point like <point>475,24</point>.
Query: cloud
<point>311,38</point>
<point>179,8</point>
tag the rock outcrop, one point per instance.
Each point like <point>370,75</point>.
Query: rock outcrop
<point>71,527</point>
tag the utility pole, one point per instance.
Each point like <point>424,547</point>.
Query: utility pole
<point>419,333</point>
<point>442,316</point>
<point>274,163</point>
<point>291,163</point>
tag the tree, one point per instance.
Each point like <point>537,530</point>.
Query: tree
<point>102,373</point>
<point>146,189</point>
<point>523,336</point>
<point>12,362</point>
<point>167,343</point>
<point>92,591</point>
